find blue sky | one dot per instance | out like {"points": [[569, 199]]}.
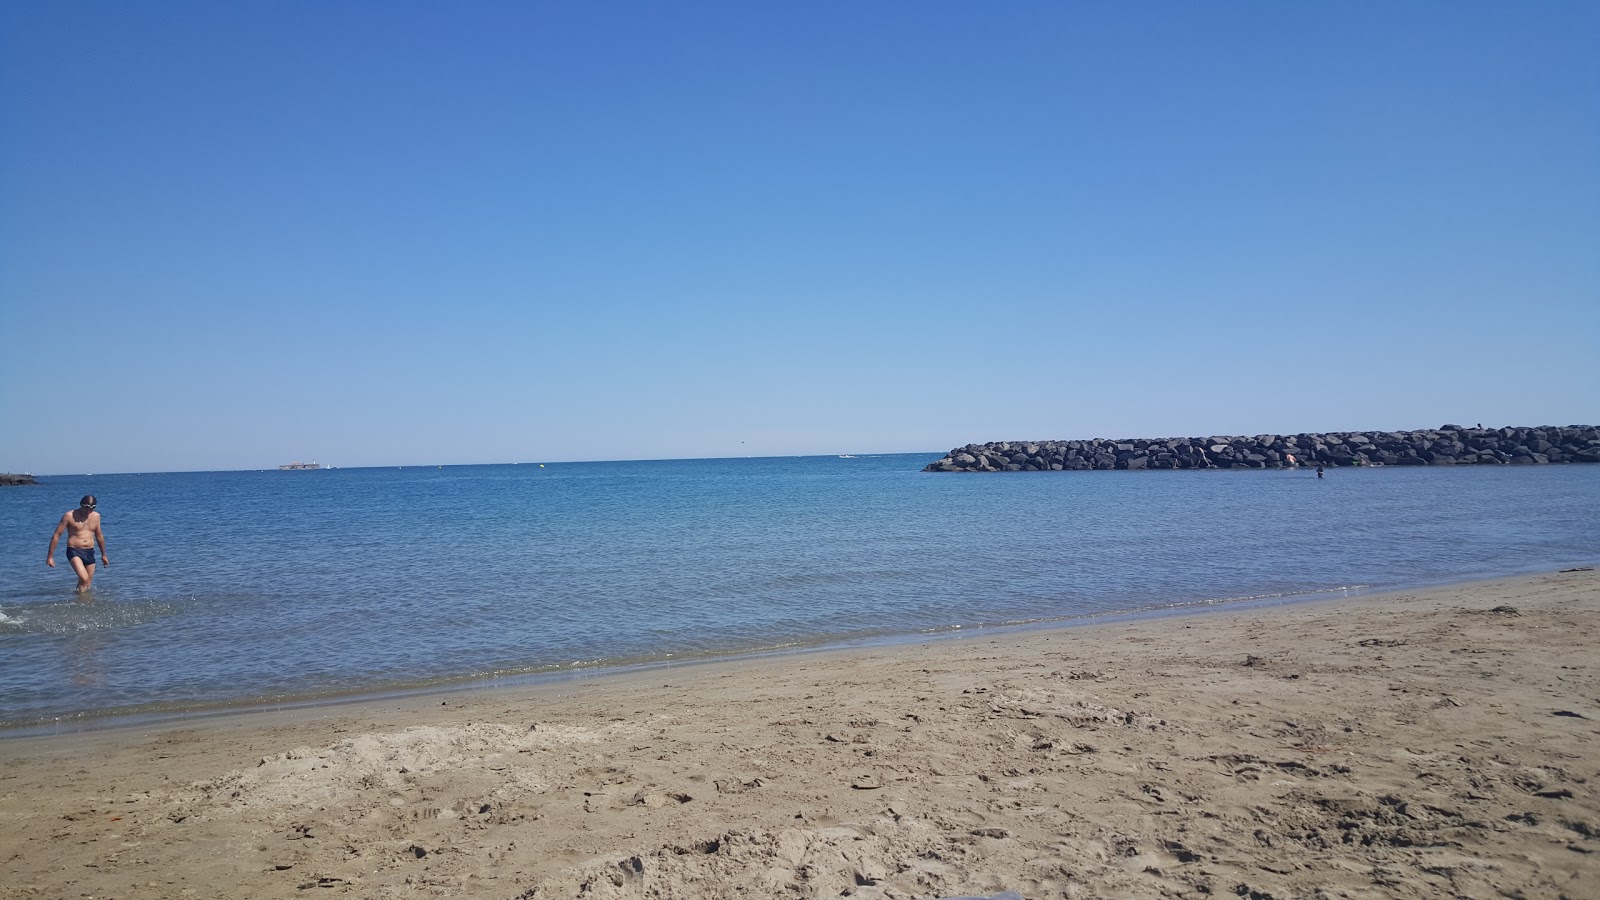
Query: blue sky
{"points": [[235, 235]]}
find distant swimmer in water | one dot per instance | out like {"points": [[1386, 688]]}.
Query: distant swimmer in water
{"points": [[83, 532], [1319, 471]]}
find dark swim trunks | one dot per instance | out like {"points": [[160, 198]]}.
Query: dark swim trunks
{"points": [[84, 553]]}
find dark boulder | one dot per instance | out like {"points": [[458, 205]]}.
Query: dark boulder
{"points": [[1448, 445]]}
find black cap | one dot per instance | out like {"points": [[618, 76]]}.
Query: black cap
{"points": [[88, 501]]}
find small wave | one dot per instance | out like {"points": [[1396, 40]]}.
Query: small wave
{"points": [[1306, 594], [78, 617]]}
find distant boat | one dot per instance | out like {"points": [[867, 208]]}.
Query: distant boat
{"points": [[846, 456], [299, 465]]}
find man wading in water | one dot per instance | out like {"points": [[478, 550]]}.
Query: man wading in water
{"points": [[83, 525]]}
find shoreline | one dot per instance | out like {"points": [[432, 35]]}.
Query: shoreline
{"points": [[1438, 741], [155, 715]]}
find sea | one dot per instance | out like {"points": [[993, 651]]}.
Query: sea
{"points": [[267, 589]]}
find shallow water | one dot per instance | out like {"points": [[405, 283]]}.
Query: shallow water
{"points": [[238, 587]]}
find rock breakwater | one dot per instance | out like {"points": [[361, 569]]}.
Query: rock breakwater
{"points": [[1449, 445], [7, 479]]}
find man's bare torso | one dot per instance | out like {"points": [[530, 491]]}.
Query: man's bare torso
{"points": [[80, 528]]}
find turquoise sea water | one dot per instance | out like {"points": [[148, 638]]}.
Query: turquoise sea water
{"points": [[245, 587]]}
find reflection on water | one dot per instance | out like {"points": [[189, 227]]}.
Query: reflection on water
{"points": [[85, 659]]}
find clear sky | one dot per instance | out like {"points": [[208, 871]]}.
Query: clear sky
{"points": [[235, 235]]}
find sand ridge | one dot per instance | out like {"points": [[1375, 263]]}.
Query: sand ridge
{"points": [[1436, 743]]}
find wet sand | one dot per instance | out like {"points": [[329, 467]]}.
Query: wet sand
{"points": [[1439, 742]]}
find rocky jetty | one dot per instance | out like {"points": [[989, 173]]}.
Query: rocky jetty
{"points": [[1449, 445], [7, 479]]}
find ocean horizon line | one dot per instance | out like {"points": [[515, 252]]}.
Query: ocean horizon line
{"points": [[461, 465]]}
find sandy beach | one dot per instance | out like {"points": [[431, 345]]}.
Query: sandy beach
{"points": [[1433, 743]]}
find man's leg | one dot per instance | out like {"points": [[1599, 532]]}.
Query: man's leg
{"points": [[85, 574]]}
